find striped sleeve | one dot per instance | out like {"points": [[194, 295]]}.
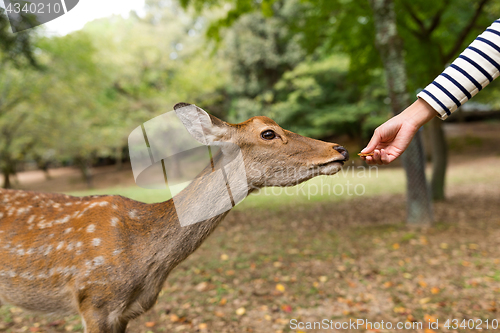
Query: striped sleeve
{"points": [[474, 69]]}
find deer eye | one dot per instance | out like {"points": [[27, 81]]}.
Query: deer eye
{"points": [[268, 135]]}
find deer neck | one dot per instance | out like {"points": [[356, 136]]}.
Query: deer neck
{"points": [[176, 242]]}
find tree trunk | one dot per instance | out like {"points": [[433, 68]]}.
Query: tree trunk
{"points": [[119, 158], [84, 164], [391, 52], [6, 178], [439, 159]]}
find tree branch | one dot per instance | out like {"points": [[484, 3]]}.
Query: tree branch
{"points": [[415, 18], [465, 32], [4, 108], [436, 20]]}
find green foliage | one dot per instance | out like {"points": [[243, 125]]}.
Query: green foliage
{"points": [[15, 48], [312, 65], [318, 99]]}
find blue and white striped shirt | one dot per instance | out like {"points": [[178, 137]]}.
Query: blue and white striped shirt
{"points": [[474, 69]]}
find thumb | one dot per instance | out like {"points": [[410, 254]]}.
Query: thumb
{"points": [[375, 140]]}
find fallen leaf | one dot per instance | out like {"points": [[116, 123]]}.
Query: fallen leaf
{"points": [[223, 301], [429, 318], [395, 246], [203, 286], [425, 300], [174, 318], [422, 284], [286, 308], [202, 326], [224, 257], [150, 324], [399, 309], [280, 287], [241, 311], [435, 290]]}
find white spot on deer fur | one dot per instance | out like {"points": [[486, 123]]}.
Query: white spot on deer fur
{"points": [[30, 251], [48, 250], [98, 261], [114, 221], [20, 252], [93, 204], [96, 241], [68, 203], [42, 224], [103, 203], [132, 214], [67, 231], [1, 215], [56, 205], [22, 210], [79, 244], [91, 228], [63, 220], [60, 246], [70, 246], [10, 212], [31, 219], [27, 276], [117, 252]]}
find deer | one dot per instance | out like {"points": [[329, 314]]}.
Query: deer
{"points": [[106, 257]]}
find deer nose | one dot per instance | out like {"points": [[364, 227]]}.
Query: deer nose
{"points": [[342, 151]]}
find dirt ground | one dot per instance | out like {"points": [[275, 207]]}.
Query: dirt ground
{"points": [[344, 261], [356, 260]]}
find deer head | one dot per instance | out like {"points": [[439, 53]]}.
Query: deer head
{"points": [[272, 155]]}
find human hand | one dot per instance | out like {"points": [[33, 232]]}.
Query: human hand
{"points": [[391, 138]]}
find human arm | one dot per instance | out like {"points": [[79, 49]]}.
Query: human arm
{"points": [[391, 139], [474, 69]]}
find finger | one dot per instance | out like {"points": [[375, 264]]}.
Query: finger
{"points": [[384, 157], [376, 155], [392, 153], [369, 160], [374, 141]]}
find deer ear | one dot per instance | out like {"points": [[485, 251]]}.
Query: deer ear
{"points": [[202, 126]]}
